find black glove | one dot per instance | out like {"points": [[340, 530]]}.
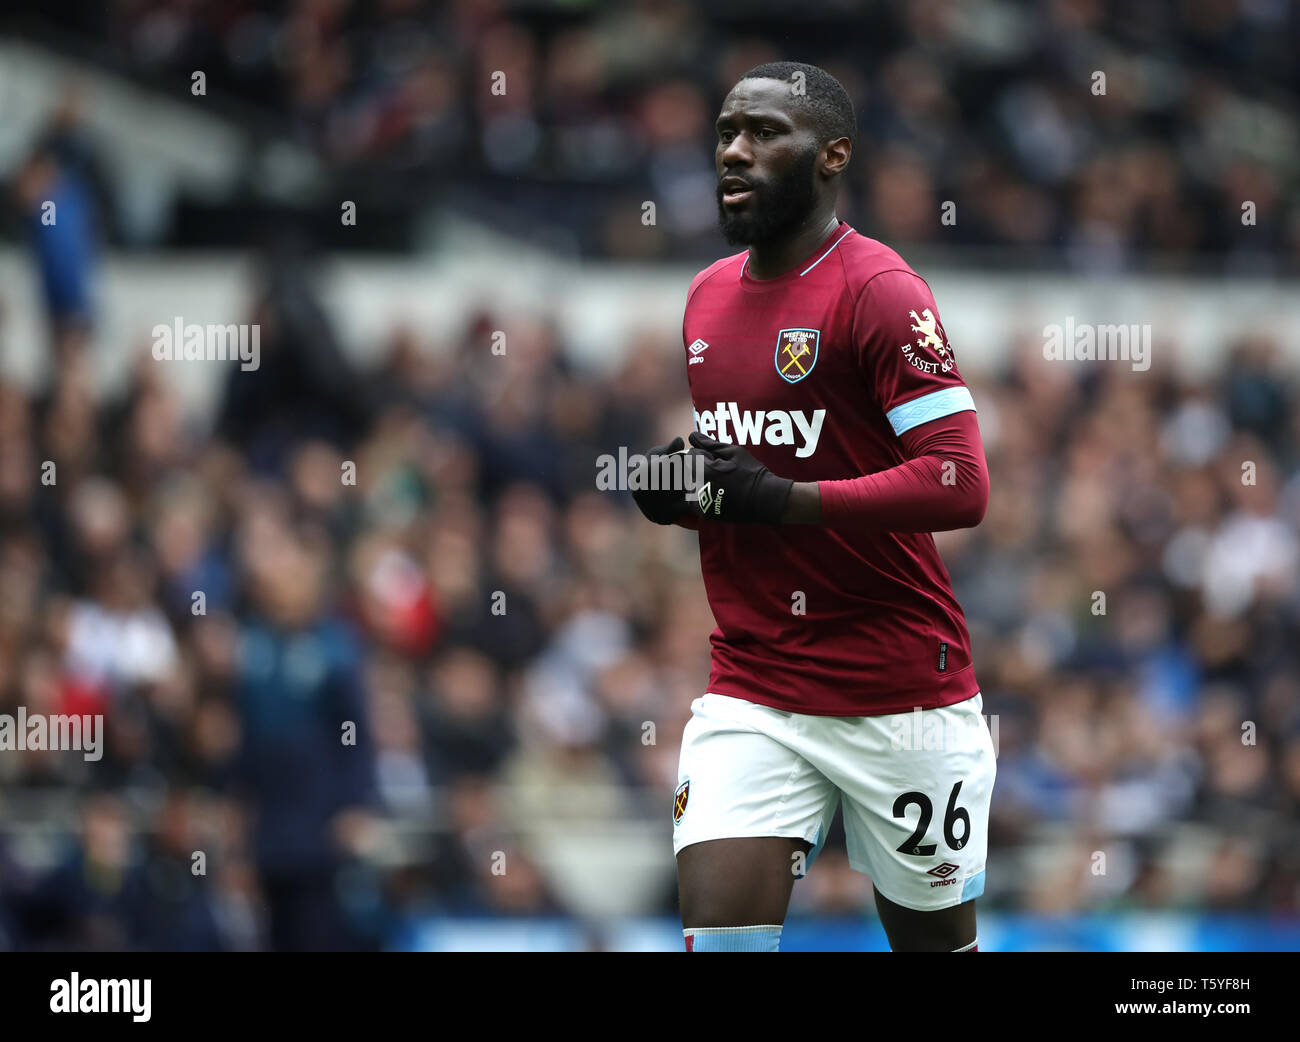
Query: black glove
{"points": [[663, 506], [736, 487]]}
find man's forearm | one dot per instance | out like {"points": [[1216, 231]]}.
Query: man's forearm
{"points": [[944, 485], [912, 497]]}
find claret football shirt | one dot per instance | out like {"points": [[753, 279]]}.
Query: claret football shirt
{"points": [[817, 372]]}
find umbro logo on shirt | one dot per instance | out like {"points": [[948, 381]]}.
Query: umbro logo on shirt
{"points": [[697, 351]]}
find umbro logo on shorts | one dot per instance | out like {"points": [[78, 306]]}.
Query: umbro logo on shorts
{"points": [[943, 872]]}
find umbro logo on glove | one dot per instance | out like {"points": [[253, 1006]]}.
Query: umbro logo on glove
{"points": [[752, 493], [710, 505]]}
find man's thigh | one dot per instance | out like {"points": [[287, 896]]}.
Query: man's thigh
{"points": [[950, 929], [737, 882]]}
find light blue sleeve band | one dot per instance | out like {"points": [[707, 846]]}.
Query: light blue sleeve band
{"points": [[929, 407]]}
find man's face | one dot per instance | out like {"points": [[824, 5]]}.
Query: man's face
{"points": [[766, 160]]}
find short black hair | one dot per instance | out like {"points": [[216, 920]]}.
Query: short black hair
{"points": [[823, 96]]}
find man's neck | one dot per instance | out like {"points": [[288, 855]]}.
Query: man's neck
{"points": [[771, 259]]}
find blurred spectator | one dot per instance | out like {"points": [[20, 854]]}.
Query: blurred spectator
{"points": [[306, 763], [57, 192]]}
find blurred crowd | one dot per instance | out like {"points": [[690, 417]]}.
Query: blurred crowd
{"points": [[367, 641], [363, 642], [562, 119]]}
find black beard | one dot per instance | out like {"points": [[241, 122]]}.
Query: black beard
{"points": [[775, 208]]}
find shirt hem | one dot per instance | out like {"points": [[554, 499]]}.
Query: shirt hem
{"points": [[966, 690]]}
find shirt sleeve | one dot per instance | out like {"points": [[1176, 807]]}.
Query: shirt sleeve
{"points": [[689, 520], [904, 354], [943, 484]]}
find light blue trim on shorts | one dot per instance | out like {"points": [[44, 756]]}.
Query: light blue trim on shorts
{"points": [[818, 842], [973, 887]]}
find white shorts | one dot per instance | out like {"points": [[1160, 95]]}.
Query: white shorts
{"points": [[916, 788]]}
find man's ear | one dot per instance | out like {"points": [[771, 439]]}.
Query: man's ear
{"points": [[836, 155]]}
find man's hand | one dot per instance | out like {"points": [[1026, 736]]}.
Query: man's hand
{"points": [[663, 506], [736, 487]]}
